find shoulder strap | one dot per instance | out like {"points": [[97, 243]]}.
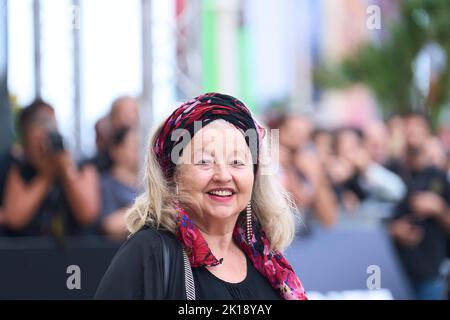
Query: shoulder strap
{"points": [[166, 264], [188, 278]]}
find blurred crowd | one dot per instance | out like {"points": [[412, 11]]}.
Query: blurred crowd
{"points": [[330, 173], [45, 192], [334, 174]]}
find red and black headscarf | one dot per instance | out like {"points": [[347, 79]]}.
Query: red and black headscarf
{"points": [[270, 263], [204, 109]]}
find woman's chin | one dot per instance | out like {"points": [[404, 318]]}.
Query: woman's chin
{"points": [[221, 214]]}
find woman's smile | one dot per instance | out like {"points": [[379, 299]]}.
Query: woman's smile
{"points": [[223, 195]]}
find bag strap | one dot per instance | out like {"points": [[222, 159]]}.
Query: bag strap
{"points": [[188, 278], [166, 265]]}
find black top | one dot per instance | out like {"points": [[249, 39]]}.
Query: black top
{"points": [[423, 261], [137, 272], [54, 216], [5, 162], [253, 287]]}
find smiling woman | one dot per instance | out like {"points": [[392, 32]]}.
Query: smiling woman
{"points": [[208, 206], [219, 181]]}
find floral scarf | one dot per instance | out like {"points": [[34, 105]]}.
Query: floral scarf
{"points": [[271, 264]]}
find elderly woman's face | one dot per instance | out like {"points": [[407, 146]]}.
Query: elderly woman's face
{"points": [[216, 172]]}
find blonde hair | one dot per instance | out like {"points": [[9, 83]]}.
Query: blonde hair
{"points": [[271, 204]]}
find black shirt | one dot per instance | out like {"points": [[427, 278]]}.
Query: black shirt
{"points": [[54, 216], [423, 261], [5, 162], [253, 287], [137, 272]]}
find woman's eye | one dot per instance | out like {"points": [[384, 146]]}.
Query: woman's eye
{"points": [[204, 161], [237, 163]]}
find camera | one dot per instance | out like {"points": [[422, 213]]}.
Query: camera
{"points": [[56, 141]]}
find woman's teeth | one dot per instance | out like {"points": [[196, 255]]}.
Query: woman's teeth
{"points": [[221, 193]]}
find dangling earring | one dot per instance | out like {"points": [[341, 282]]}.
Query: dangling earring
{"points": [[176, 189], [249, 222]]}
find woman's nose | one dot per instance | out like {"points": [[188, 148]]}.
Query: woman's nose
{"points": [[221, 173]]}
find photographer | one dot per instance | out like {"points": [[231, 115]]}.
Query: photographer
{"points": [[357, 176], [45, 193], [421, 221]]}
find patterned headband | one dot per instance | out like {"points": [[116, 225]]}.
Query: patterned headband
{"points": [[205, 109]]}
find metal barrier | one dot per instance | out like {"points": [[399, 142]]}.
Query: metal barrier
{"points": [[40, 268], [340, 263]]}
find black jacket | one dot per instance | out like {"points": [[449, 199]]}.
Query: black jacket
{"points": [[137, 269]]}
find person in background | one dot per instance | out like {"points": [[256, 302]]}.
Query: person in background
{"points": [[124, 113], [301, 172], [342, 168], [396, 137], [357, 176], [436, 154], [382, 183], [421, 223], [119, 185], [323, 142], [439, 158], [45, 192], [295, 132], [5, 163], [297, 185], [103, 131], [447, 167], [376, 141]]}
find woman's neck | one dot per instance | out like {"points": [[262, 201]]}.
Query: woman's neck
{"points": [[219, 236], [126, 176], [219, 243]]}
